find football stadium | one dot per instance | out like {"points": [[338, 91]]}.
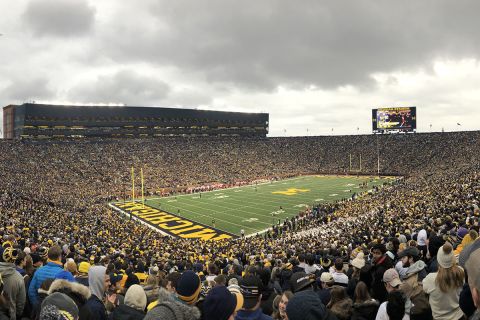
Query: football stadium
{"points": [[229, 160], [168, 206]]}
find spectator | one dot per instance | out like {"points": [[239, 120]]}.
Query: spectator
{"points": [[134, 306], [82, 276], [410, 258], [58, 306], [392, 283], [340, 304], [75, 291], [306, 305], [251, 288], [381, 263], [339, 276], [283, 299], [169, 307], [13, 285], [50, 270], [394, 307], [220, 304], [326, 284], [364, 307], [99, 281], [357, 263], [470, 259], [444, 286]]}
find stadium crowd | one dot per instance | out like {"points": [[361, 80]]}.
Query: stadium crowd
{"points": [[408, 251]]}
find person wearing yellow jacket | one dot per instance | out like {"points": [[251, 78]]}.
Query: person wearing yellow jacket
{"points": [[470, 237]]}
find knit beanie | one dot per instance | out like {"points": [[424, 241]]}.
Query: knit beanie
{"points": [[188, 287], [445, 256], [58, 306], [359, 261], [306, 305], [9, 255], [136, 297], [219, 304]]}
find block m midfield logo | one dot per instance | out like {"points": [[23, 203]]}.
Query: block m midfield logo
{"points": [[171, 224]]}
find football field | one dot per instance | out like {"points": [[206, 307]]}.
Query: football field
{"points": [[255, 208]]}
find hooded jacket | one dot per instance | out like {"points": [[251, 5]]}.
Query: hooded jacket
{"points": [[77, 292], [169, 308], [14, 287], [418, 268], [96, 279]]}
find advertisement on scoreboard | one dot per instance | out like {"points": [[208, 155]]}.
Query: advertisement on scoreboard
{"points": [[394, 119]]}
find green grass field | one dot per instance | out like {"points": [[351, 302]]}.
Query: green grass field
{"points": [[255, 208]]}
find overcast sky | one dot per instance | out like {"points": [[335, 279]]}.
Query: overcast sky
{"points": [[310, 64]]}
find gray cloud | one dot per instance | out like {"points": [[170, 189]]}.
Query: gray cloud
{"points": [[276, 42], [28, 89], [124, 86], [61, 18]]}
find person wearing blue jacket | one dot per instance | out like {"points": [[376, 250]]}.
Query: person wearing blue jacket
{"points": [[48, 271]]}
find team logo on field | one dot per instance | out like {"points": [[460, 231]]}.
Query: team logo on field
{"points": [[291, 191]]}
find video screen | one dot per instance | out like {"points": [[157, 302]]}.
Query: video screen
{"points": [[403, 119]]}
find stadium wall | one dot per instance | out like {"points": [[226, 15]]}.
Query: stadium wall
{"points": [[62, 121]]}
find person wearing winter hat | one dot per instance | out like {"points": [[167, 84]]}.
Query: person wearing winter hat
{"points": [[58, 306], [134, 306], [219, 304], [306, 305], [13, 284], [358, 263], [326, 284], [82, 276], [444, 286], [169, 307], [77, 292], [188, 287]]}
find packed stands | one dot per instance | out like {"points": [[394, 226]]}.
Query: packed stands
{"points": [[396, 249]]}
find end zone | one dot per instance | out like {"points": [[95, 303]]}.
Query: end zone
{"points": [[170, 224]]}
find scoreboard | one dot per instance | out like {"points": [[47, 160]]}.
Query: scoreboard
{"points": [[403, 119]]}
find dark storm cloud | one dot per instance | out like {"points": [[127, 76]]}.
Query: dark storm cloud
{"points": [[261, 45], [27, 89], [60, 18], [124, 86]]}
